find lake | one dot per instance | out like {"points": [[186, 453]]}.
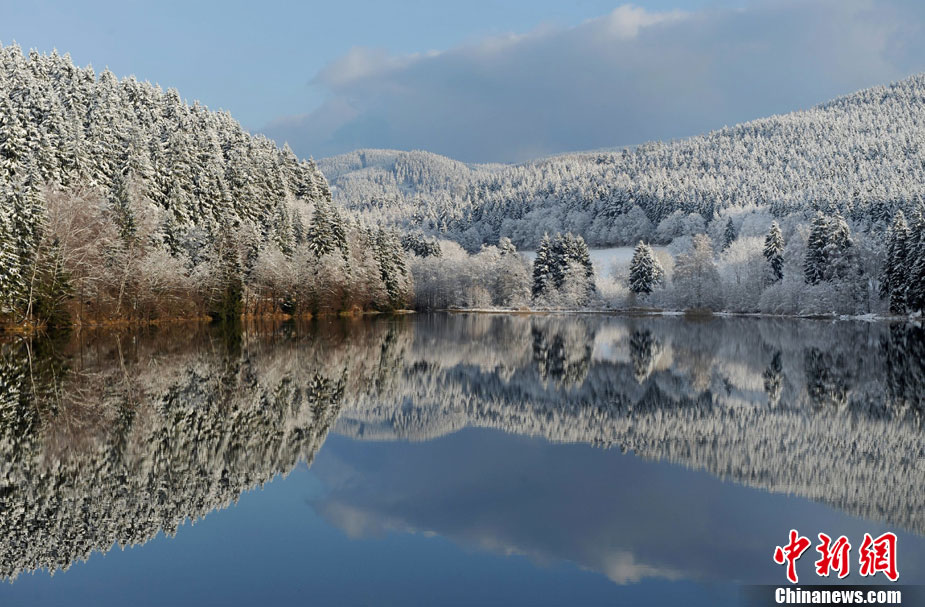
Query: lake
{"points": [[454, 459]]}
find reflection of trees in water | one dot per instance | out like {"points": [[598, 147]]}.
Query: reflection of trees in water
{"points": [[644, 349], [904, 353], [562, 351], [828, 378], [707, 409], [111, 439], [114, 439], [774, 379]]}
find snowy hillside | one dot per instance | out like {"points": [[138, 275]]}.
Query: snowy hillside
{"points": [[860, 154], [121, 200]]}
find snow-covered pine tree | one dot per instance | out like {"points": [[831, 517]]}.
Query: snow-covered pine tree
{"points": [[814, 266], [568, 248], [915, 265], [120, 203], [420, 245], [729, 234], [281, 231], [542, 271], [506, 247], [14, 144], [840, 262], [645, 270], [327, 232], [11, 282], [580, 254], [893, 281], [392, 268], [298, 227], [774, 251], [227, 298]]}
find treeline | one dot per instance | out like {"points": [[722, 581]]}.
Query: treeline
{"points": [[446, 276], [821, 268], [740, 265], [119, 201]]}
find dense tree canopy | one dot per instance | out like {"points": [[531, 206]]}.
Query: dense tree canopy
{"points": [[120, 201], [854, 155]]}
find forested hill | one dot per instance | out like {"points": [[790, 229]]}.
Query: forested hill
{"points": [[121, 201], [70, 126], [390, 184], [861, 154]]}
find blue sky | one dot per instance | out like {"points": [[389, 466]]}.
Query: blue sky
{"points": [[481, 80]]}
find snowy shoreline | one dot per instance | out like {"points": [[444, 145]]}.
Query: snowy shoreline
{"points": [[693, 314]]}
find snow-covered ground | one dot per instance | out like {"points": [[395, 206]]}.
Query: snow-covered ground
{"points": [[604, 260]]}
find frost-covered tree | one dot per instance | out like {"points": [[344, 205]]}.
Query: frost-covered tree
{"points": [[830, 250], [774, 252], [915, 265], [326, 233], [420, 245], [814, 268], [393, 269], [696, 279], [11, 282], [563, 258], [645, 270], [542, 268], [120, 201], [893, 280], [729, 234]]}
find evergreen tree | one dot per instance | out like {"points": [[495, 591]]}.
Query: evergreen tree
{"points": [[557, 260], [645, 270], [121, 207], [840, 262], [28, 223], [729, 234], [227, 300], [774, 251], [542, 269], [568, 249], [14, 142], [393, 270], [893, 282], [506, 247], [327, 232], [11, 280], [417, 243], [814, 266], [915, 266], [282, 232]]}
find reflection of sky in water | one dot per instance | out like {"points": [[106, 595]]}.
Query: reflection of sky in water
{"points": [[477, 517]]}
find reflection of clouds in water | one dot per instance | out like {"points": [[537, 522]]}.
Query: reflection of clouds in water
{"points": [[624, 517], [356, 523], [622, 568]]}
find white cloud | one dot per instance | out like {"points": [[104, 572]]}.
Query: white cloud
{"points": [[624, 78]]}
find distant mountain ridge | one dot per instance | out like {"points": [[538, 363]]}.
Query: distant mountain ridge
{"points": [[860, 154]]}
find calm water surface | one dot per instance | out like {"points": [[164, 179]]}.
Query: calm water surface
{"points": [[454, 459]]}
